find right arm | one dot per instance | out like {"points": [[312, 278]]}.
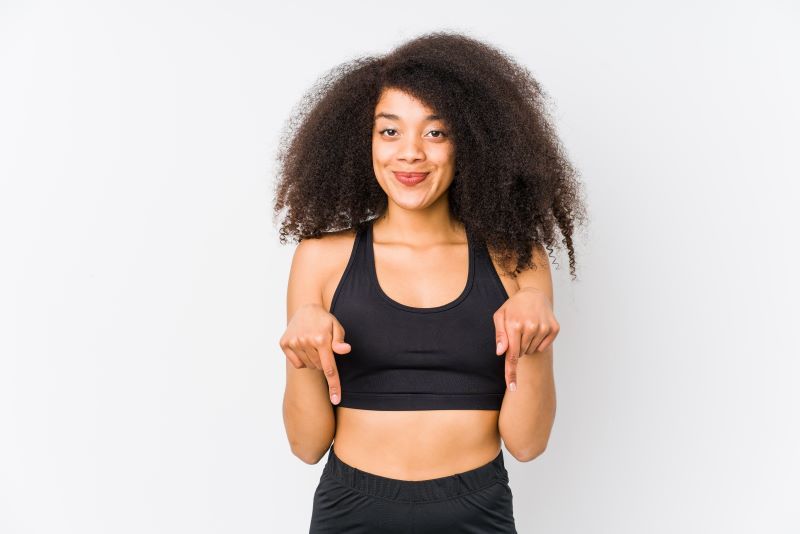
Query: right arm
{"points": [[308, 415]]}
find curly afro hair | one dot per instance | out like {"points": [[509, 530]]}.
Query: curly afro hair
{"points": [[514, 185]]}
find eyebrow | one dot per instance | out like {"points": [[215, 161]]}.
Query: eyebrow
{"points": [[392, 116]]}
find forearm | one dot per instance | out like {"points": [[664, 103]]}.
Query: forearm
{"points": [[308, 415], [527, 414]]}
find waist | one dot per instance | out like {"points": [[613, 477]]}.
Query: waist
{"points": [[439, 488], [416, 445]]}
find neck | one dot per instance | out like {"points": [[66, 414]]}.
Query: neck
{"points": [[429, 226]]}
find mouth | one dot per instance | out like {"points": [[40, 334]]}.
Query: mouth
{"points": [[410, 178]]}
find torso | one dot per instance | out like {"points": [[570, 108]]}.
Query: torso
{"points": [[412, 445]]}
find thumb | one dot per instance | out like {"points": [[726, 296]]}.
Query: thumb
{"points": [[500, 332], [338, 345]]}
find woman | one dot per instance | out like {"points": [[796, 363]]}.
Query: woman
{"points": [[423, 186]]}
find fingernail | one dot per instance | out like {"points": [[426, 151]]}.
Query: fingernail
{"points": [[513, 386], [335, 398], [498, 347]]}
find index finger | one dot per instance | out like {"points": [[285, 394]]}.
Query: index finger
{"points": [[329, 369], [514, 335]]}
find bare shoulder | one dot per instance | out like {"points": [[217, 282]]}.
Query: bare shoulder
{"points": [[540, 272], [324, 260]]}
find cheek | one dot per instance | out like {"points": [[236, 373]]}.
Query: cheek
{"points": [[444, 154], [381, 151]]}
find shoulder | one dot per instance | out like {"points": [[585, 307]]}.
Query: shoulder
{"points": [[324, 249], [318, 259], [537, 274], [508, 261]]}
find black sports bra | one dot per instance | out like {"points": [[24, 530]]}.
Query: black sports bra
{"points": [[407, 358]]}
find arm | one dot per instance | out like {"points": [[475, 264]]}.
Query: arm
{"points": [[308, 415], [527, 414], [540, 279]]}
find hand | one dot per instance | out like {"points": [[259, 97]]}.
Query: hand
{"points": [[311, 338], [524, 325]]}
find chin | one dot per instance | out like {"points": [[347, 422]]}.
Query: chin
{"points": [[411, 203]]}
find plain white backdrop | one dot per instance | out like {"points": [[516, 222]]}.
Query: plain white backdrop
{"points": [[142, 285]]}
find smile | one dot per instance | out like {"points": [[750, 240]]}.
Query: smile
{"points": [[410, 178]]}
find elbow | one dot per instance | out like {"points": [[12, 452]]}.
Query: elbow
{"points": [[308, 456], [526, 455]]}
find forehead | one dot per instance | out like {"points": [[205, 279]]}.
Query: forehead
{"points": [[395, 104]]}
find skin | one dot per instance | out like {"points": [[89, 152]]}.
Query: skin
{"points": [[416, 239]]}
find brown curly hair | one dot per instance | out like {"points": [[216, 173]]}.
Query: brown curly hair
{"points": [[513, 186]]}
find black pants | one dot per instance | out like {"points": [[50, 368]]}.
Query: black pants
{"points": [[351, 501]]}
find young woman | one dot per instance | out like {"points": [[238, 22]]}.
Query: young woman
{"points": [[423, 187]]}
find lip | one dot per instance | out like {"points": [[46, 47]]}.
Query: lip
{"points": [[410, 178]]}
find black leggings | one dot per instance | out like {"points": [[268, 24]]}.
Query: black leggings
{"points": [[351, 501]]}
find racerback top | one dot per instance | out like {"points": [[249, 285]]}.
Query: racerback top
{"points": [[408, 358]]}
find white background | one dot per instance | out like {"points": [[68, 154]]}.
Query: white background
{"points": [[142, 292]]}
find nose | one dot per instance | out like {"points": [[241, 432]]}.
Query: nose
{"points": [[411, 150]]}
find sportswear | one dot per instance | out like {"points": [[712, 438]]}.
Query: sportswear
{"points": [[478, 501], [409, 358]]}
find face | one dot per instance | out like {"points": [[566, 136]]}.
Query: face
{"points": [[407, 137]]}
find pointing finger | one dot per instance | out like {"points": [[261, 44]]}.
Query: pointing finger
{"points": [[514, 331], [500, 331], [331, 373]]}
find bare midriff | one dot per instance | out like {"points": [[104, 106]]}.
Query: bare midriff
{"points": [[416, 445]]}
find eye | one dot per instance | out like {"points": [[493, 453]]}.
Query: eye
{"points": [[440, 133]]}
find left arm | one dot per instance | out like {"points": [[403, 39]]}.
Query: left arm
{"points": [[526, 329]]}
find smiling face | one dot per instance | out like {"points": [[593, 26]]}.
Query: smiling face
{"points": [[407, 137]]}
